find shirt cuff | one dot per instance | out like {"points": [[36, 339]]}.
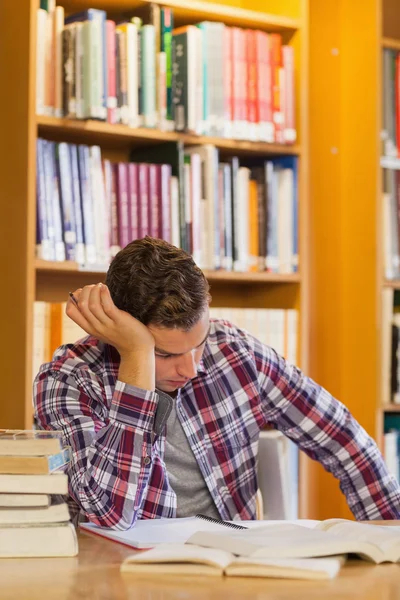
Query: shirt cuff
{"points": [[133, 406]]}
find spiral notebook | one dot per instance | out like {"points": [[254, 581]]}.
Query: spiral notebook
{"points": [[149, 533]]}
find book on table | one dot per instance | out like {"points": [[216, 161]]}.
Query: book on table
{"points": [[190, 560], [373, 543], [18, 442]]}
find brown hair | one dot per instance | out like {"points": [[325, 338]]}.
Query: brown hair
{"points": [[158, 283]]}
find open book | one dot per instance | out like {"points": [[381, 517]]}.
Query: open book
{"points": [[332, 537], [183, 559]]}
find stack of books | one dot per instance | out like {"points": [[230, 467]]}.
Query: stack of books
{"points": [[34, 519]]}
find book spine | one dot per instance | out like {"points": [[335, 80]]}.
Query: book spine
{"points": [[122, 203], [227, 77], [122, 76], [253, 226], [109, 182], [162, 91], [113, 209], [264, 87], [196, 208], [289, 131], [43, 244], [276, 66], [41, 61], [239, 84], [154, 201], [111, 72], [252, 92], [397, 102], [166, 46], [188, 204], [228, 242], [53, 202], [98, 201], [64, 166], [148, 76], [77, 205], [175, 216], [87, 206], [221, 214], [49, 68], [133, 200], [235, 209], [165, 206], [133, 74], [79, 70], [69, 75], [58, 23], [143, 199], [180, 81]]}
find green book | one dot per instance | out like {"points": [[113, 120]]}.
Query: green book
{"points": [[167, 25]]}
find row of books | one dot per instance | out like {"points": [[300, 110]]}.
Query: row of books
{"points": [[228, 215], [207, 79], [391, 103], [391, 223], [34, 519], [277, 328], [274, 327]]}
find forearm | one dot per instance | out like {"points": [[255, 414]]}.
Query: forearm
{"points": [[138, 369], [111, 459]]}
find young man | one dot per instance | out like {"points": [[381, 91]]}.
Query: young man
{"points": [[163, 408]]}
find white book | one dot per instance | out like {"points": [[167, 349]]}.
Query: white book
{"points": [[79, 71], [210, 230], [53, 539], [175, 221], [292, 326], [375, 543], [131, 37], [24, 500], [242, 221], [58, 61], [390, 442], [99, 215], [41, 24], [57, 512], [189, 560], [56, 483]]}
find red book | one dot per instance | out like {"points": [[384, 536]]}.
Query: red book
{"points": [[154, 192], [122, 203], [264, 87], [164, 213], [143, 199], [111, 72], [239, 83], [133, 201], [252, 117], [288, 96], [276, 65]]}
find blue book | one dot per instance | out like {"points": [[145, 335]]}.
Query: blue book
{"points": [[87, 204], [77, 205], [68, 217], [44, 246], [93, 14], [51, 166]]}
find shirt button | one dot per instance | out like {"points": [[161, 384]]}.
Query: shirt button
{"points": [[146, 460]]}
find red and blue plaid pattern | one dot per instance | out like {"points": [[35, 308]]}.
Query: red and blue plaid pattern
{"points": [[117, 474]]}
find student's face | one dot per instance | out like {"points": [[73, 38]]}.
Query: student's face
{"points": [[178, 353]]}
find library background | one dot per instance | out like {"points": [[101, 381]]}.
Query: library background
{"points": [[263, 137]]}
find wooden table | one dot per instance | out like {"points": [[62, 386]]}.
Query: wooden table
{"points": [[95, 574]]}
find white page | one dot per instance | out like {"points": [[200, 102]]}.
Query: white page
{"points": [[387, 538], [283, 541], [181, 553], [148, 533]]}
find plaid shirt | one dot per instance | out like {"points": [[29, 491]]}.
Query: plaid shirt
{"points": [[118, 475]]}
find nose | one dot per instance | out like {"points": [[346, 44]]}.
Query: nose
{"points": [[187, 367]]}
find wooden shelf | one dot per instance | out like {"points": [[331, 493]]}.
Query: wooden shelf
{"points": [[391, 408], [391, 43], [118, 135], [62, 268], [390, 162], [192, 11], [392, 284]]}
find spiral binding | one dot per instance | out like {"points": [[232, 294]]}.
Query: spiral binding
{"points": [[220, 522]]}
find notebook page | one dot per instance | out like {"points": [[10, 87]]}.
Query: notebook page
{"points": [[151, 532], [298, 568]]}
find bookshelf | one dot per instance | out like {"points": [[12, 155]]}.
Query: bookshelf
{"points": [[26, 279], [346, 45]]}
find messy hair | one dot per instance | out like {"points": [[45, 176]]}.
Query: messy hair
{"points": [[158, 284]]}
